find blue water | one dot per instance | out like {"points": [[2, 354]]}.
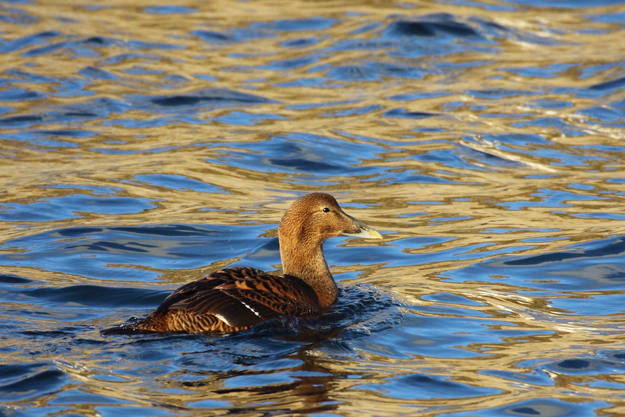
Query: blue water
{"points": [[143, 146]]}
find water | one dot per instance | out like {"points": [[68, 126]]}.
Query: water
{"points": [[143, 145]]}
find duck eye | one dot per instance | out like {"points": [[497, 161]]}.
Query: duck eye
{"points": [[326, 210]]}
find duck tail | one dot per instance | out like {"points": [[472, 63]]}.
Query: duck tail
{"points": [[125, 330]]}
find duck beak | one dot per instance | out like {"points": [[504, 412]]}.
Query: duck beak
{"points": [[365, 231]]}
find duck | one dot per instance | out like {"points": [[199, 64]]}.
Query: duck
{"points": [[235, 299]]}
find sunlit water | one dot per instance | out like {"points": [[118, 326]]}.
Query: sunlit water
{"points": [[143, 145]]}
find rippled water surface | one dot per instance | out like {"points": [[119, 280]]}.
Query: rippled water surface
{"points": [[144, 144]]}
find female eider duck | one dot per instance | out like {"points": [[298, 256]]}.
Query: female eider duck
{"points": [[238, 298]]}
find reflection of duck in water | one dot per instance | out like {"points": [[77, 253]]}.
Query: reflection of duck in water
{"points": [[238, 298]]}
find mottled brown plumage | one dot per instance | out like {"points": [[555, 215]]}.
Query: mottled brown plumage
{"points": [[235, 299]]}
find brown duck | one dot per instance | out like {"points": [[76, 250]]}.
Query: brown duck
{"points": [[235, 299]]}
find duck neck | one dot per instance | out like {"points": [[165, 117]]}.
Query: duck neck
{"points": [[307, 263]]}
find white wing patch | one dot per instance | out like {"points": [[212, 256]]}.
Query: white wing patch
{"points": [[251, 309], [222, 318]]}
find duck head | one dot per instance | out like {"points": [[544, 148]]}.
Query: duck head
{"points": [[309, 222]]}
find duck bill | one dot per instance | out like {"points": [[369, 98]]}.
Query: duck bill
{"points": [[365, 231]]}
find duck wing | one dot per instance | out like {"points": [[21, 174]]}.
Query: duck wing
{"points": [[240, 298]]}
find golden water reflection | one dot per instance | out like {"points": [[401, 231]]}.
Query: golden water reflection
{"points": [[484, 146]]}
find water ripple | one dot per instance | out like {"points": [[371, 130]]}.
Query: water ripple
{"points": [[144, 147]]}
